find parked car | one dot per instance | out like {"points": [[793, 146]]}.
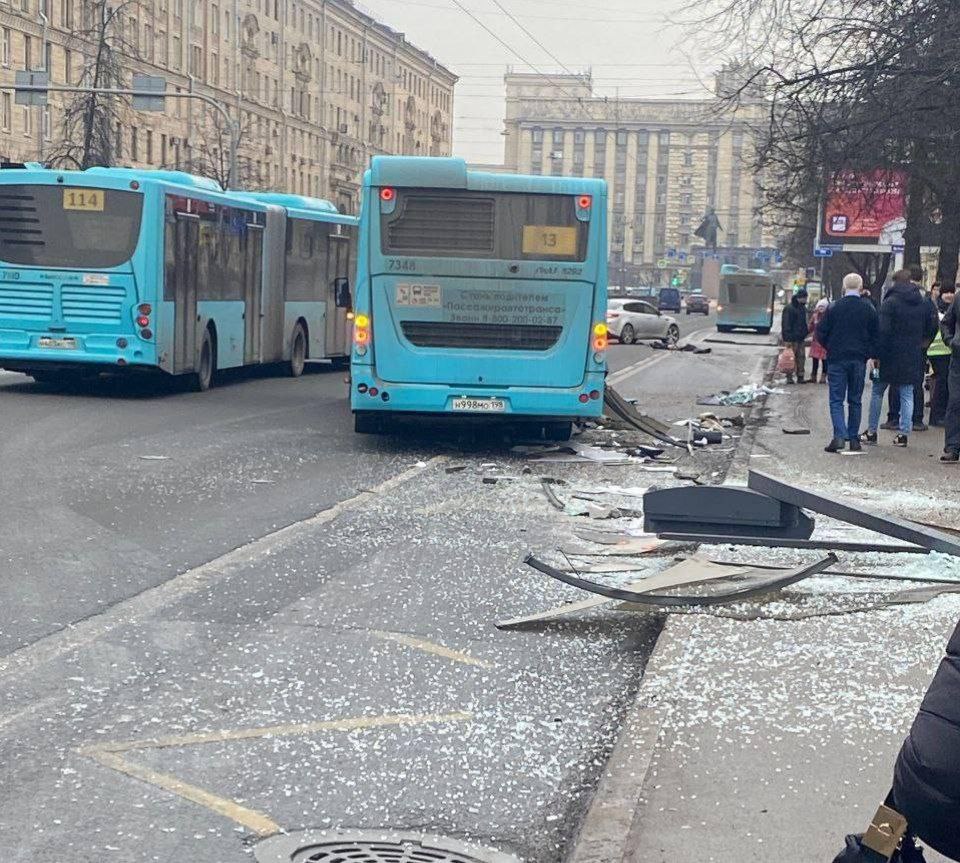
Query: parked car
{"points": [[669, 300], [632, 321], [698, 303]]}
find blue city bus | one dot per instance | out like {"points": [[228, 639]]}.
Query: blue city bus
{"points": [[479, 296], [745, 300], [122, 270]]}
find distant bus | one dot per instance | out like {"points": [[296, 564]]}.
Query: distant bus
{"points": [[120, 270], [479, 296], [745, 300]]}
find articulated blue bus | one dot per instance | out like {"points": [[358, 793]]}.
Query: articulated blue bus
{"points": [[479, 296], [114, 269], [745, 300]]}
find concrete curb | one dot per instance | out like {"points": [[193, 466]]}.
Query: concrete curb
{"points": [[612, 818]]}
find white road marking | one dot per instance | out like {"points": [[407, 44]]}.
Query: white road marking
{"points": [[155, 598]]}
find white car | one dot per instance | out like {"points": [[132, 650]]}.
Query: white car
{"points": [[632, 321]]}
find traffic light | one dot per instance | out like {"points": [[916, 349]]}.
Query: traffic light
{"points": [[676, 281]]}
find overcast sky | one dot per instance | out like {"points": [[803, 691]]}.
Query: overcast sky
{"points": [[630, 45]]}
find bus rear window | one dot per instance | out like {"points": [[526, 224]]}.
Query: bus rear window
{"points": [[497, 225], [68, 226]]}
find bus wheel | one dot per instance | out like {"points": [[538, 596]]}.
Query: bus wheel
{"points": [[364, 423], [627, 335], [203, 379], [557, 431], [673, 334], [298, 352]]}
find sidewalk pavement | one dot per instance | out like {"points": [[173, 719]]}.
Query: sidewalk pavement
{"points": [[776, 738]]}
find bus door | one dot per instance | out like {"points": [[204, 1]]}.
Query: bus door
{"points": [[272, 288], [187, 239], [339, 299], [252, 287]]}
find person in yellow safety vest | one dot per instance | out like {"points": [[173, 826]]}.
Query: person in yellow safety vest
{"points": [[939, 356]]}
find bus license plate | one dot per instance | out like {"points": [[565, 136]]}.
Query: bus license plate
{"points": [[68, 344], [480, 406]]}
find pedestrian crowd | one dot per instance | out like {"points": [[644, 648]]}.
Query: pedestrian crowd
{"points": [[912, 334]]}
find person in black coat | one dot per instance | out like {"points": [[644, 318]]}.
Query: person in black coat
{"points": [[950, 330], [926, 777], [905, 327], [794, 329]]}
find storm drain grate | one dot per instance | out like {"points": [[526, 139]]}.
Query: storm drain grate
{"points": [[379, 852], [367, 846]]}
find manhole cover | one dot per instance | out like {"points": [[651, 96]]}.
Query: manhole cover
{"points": [[365, 846]]}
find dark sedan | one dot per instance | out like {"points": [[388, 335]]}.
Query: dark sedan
{"points": [[698, 303]]}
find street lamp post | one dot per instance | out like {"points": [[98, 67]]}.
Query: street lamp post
{"points": [[32, 88]]}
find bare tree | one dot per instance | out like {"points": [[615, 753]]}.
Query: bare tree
{"points": [[90, 120], [211, 146], [853, 85]]}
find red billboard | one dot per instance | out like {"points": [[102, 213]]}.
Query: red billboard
{"points": [[864, 210]]}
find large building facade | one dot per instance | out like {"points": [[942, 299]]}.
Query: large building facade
{"points": [[667, 163], [318, 87]]}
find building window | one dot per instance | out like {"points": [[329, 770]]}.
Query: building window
{"points": [[558, 138], [536, 132], [148, 146], [66, 13], [27, 121], [27, 52], [118, 141], [688, 159], [134, 145], [176, 52], [5, 46], [6, 111], [621, 138]]}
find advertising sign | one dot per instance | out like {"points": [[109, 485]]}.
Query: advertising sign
{"points": [[864, 211]]}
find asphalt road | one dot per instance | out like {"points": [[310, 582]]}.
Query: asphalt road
{"points": [[225, 614]]}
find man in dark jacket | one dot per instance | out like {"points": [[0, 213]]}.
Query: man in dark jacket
{"points": [[950, 330], [849, 333], [794, 329], [905, 327]]}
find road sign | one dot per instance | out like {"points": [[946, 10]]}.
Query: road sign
{"points": [[662, 264], [25, 78], [152, 84], [821, 252], [671, 253]]}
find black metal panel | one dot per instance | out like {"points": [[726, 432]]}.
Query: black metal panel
{"points": [[443, 334], [889, 525], [787, 542]]}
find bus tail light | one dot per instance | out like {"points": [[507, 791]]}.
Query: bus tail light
{"points": [[584, 398], [361, 333], [143, 321], [600, 337], [388, 194], [594, 395], [585, 202]]}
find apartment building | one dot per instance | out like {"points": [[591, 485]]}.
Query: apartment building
{"points": [[667, 163], [319, 87]]}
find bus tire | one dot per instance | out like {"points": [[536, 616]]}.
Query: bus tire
{"points": [[206, 365], [721, 328], [298, 352], [558, 432], [627, 336], [365, 423]]}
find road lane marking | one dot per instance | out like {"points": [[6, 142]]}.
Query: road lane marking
{"points": [[646, 362], [257, 822], [431, 647], [294, 729], [155, 598], [108, 755]]}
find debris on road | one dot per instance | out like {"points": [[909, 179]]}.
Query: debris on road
{"points": [[154, 457], [783, 542], [680, 349], [627, 413], [722, 510], [745, 395], [574, 453], [795, 430], [756, 584]]}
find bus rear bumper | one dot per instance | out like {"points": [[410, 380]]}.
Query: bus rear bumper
{"points": [[21, 352], [561, 403]]}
